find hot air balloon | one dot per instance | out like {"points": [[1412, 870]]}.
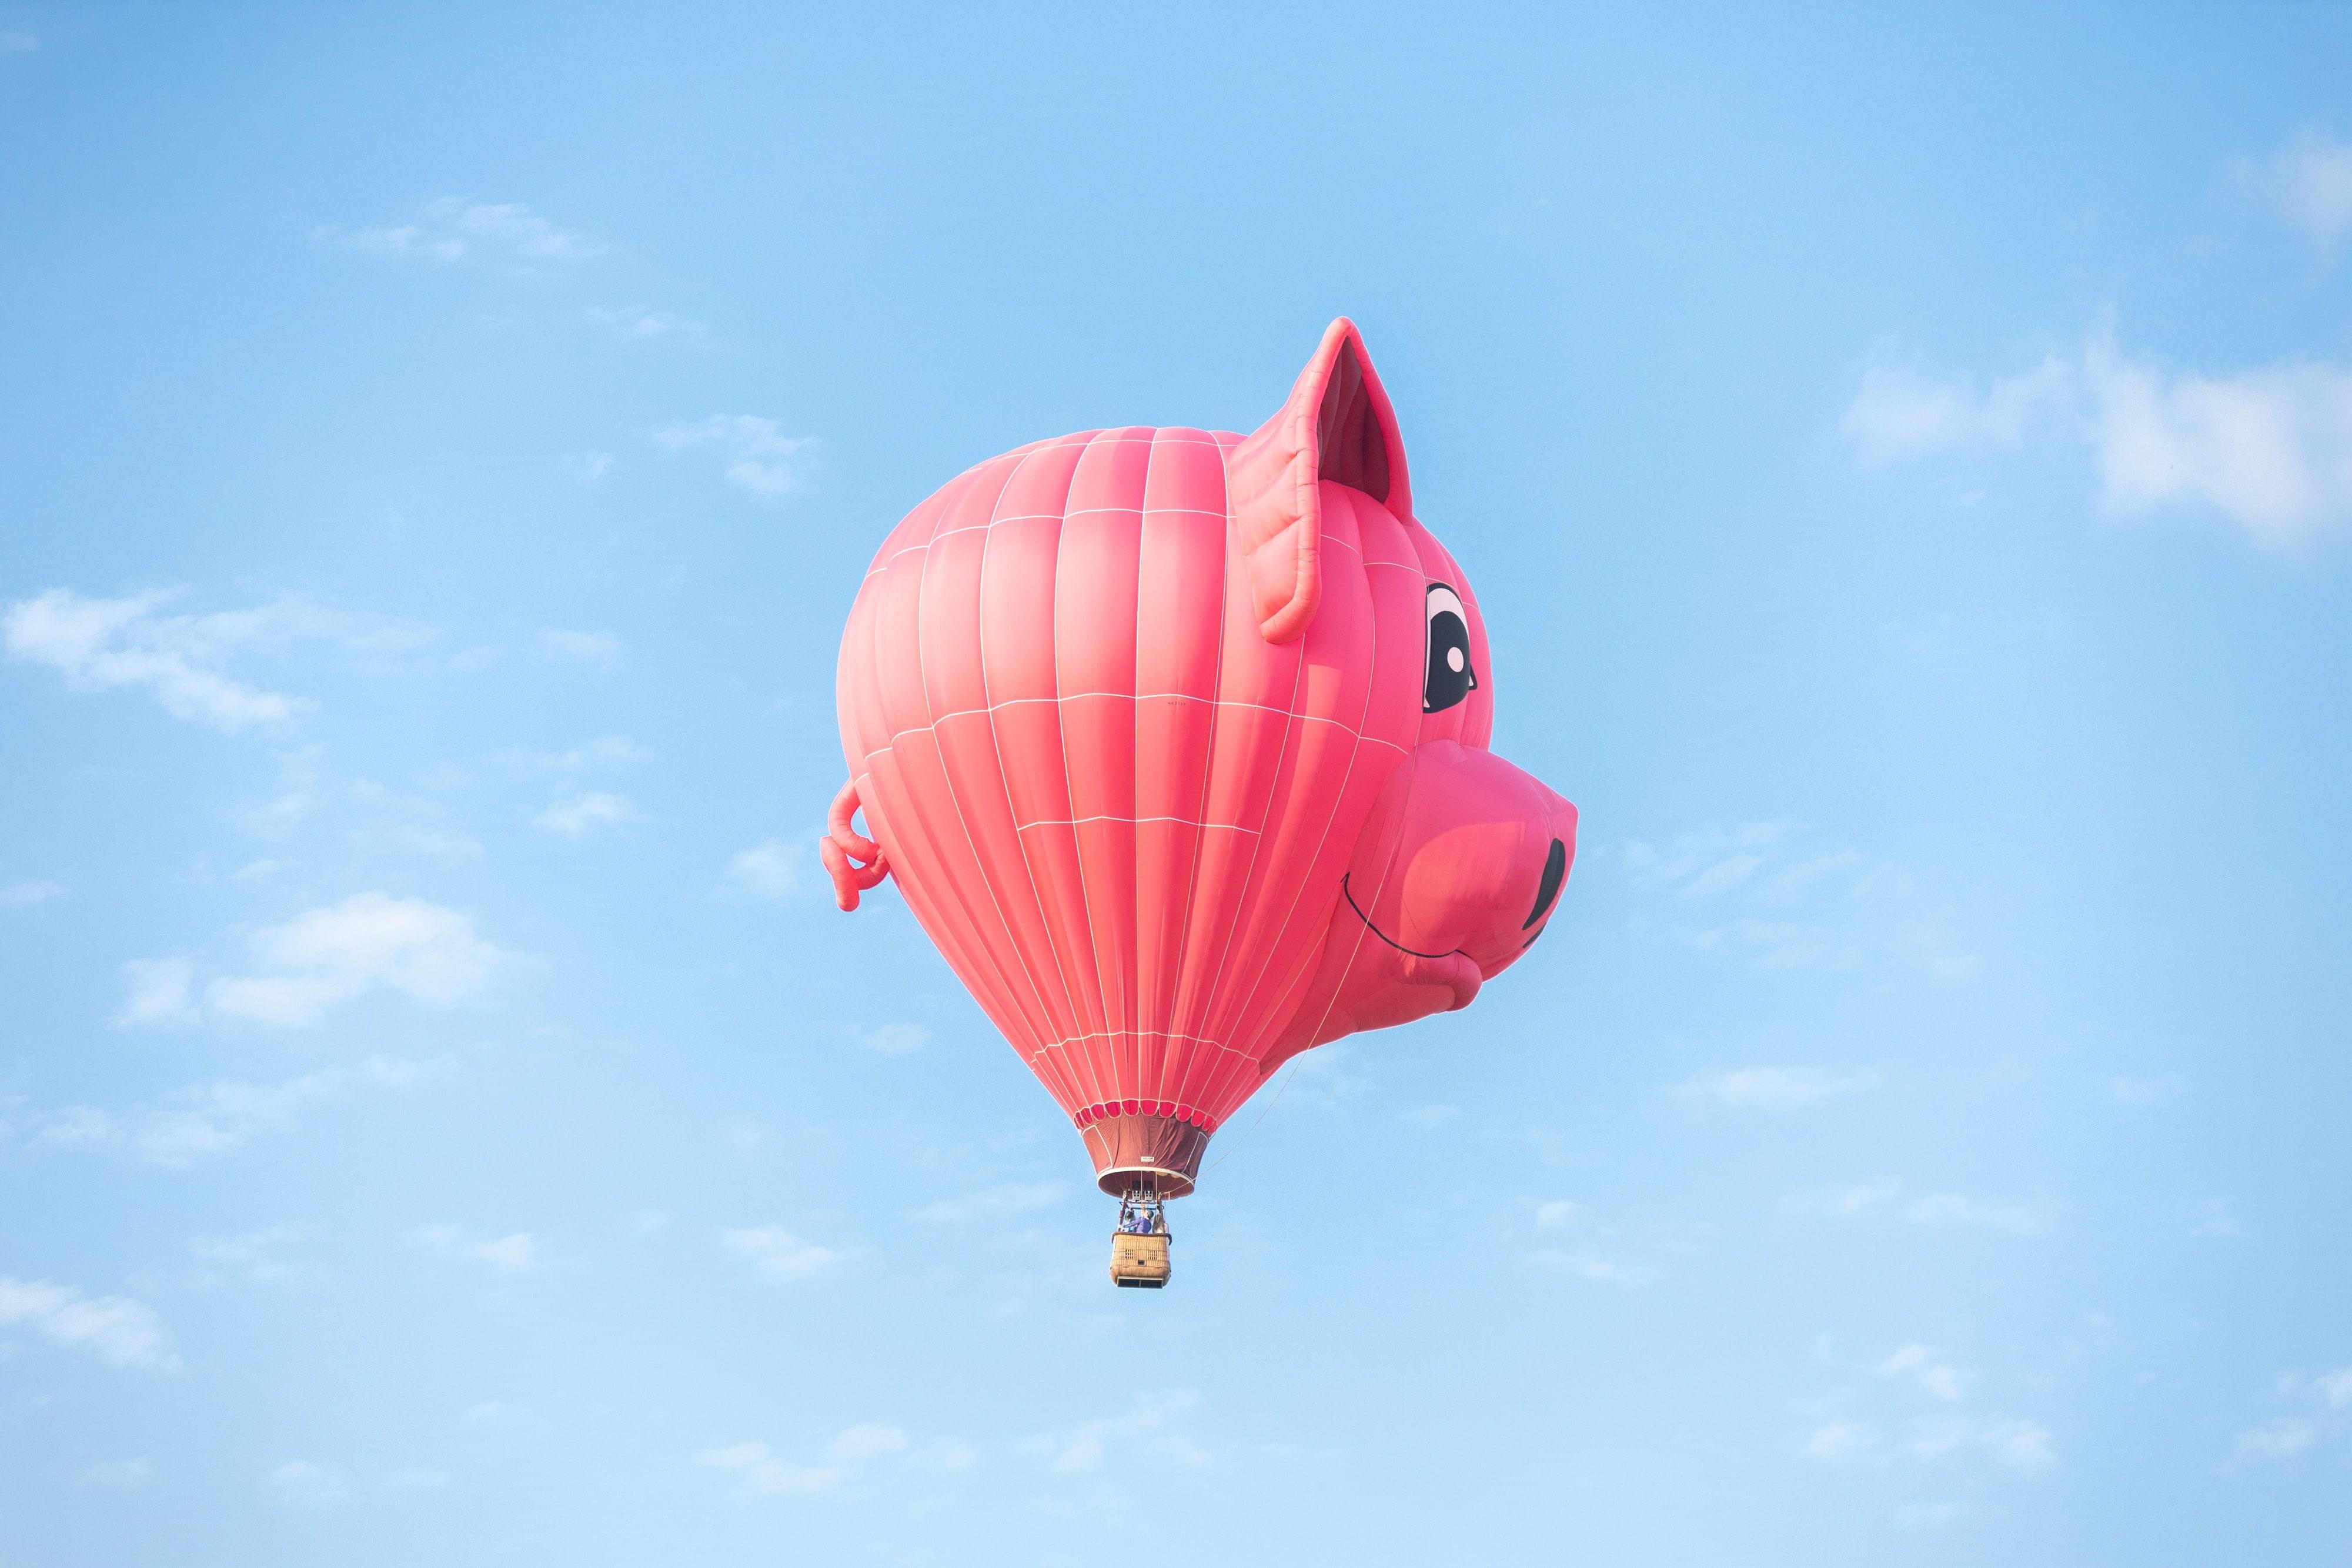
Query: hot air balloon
{"points": [[1175, 743]]}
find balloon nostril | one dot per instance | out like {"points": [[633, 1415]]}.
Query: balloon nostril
{"points": [[1555, 871]]}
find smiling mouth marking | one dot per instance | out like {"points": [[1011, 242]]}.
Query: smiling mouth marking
{"points": [[1346, 892]]}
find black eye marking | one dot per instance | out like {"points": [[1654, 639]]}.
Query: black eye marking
{"points": [[1555, 871], [1446, 676]]}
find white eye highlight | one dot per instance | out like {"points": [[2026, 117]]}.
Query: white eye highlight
{"points": [[1446, 676]]}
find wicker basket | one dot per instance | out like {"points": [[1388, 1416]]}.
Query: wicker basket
{"points": [[1139, 1262]]}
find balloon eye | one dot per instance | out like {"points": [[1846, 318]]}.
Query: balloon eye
{"points": [[1555, 871], [1446, 676]]}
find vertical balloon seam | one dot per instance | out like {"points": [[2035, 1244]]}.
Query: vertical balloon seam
{"points": [[1229, 1073], [1213, 1086], [1074, 1066], [1168, 1054], [1088, 964], [1135, 1021], [984, 950], [1056, 1074], [1355, 750], [1092, 967]]}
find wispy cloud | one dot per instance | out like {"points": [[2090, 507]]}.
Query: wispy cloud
{"points": [[896, 1039], [1928, 1370], [16, 43], [221, 1116], [116, 1328], [100, 644], [29, 894], [2270, 448], [1940, 1209], [642, 323], [159, 992], [520, 1253], [593, 647], [2320, 1411], [1590, 1266], [1772, 1088], [761, 1471], [1149, 1431], [1766, 892], [759, 456], [991, 1202], [339, 952], [2308, 183], [458, 229], [299, 1483], [259, 1255], [1888, 1434], [779, 1255], [767, 868], [574, 817], [118, 1475]]}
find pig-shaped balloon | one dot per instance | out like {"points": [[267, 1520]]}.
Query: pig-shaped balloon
{"points": [[1175, 741]]}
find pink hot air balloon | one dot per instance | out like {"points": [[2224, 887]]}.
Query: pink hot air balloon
{"points": [[1176, 743]]}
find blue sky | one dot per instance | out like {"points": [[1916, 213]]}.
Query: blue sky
{"points": [[1907, 466]]}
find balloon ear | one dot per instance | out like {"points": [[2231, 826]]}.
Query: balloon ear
{"points": [[1338, 425]]}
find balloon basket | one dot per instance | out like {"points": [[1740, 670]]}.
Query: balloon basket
{"points": [[1138, 1247]]}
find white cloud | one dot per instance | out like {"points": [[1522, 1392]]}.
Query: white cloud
{"points": [[1951, 1208], [499, 1416], [1148, 1431], [2334, 1388], [2308, 183], [1585, 1263], [337, 952], [780, 1255], [1945, 1209], [221, 1116], [865, 1441], [15, 42], [159, 992], [118, 1475], [454, 228], [2270, 448], [1557, 1215], [603, 749], [1772, 1088], [2325, 1413], [896, 1039], [991, 1202], [643, 323], [1760, 890], [574, 817], [258, 1255], [98, 643], [2153, 1090], [28, 894], [517, 1254], [759, 456], [596, 647], [1926, 1369], [1843, 1442], [119, 1330], [302, 1484], [1901, 411], [767, 869], [2281, 1439], [588, 467], [2007, 1441], [762, 1471]]}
